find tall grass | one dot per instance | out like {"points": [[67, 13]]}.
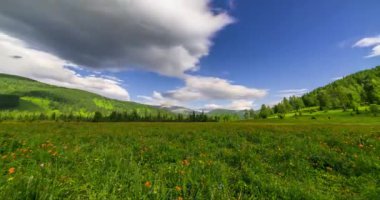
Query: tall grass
{"points": [[189, 161]]}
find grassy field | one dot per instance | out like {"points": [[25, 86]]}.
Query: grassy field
{"points": [[241, 160]]}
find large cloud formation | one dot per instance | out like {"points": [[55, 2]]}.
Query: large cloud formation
{"points": [[18, 59], [167, 36]]}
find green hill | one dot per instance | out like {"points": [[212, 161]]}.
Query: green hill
{"points": [[361, 88], [358, 90], [18, 94]]}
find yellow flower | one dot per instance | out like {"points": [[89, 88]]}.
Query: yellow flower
{"points": [[178, 188]]}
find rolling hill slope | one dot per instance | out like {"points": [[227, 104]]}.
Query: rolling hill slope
{"points": [[361, 88], [355, 91], [34, 96]]}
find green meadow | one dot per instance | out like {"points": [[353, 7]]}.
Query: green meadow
{"points": [[268, 159]]}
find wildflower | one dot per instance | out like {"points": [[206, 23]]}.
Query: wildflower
{"points": [[11, 170], [178, 188], [185, 163], [148, 184], [209, 162], [179, 198], [361, 145]]}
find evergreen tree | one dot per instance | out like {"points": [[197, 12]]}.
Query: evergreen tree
{"points": [[97, 117]]}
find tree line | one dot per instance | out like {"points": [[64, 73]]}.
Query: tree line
{"points": [[132, 116]]}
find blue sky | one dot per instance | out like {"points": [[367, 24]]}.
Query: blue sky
{"points": [[271, 46]]}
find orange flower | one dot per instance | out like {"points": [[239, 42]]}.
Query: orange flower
{"points": [[11, 170], [185, 162], [148, 184], [361, 146], [178, 188]]}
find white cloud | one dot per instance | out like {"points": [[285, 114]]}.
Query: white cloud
{"points": [[212, 88], [291, 92], [167, 36], [199, 88], [234, 105], [375, 51], [18, 59], [158, 100], [241, 105], [212, 106], [373, 42], [337, 78], [368, 42]]}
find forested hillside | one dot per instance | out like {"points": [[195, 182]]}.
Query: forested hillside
{"points": [[350, 92], [362, 88], [26, 95]]}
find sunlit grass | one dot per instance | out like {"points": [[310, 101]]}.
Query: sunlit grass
{"points": [[189, 161]]}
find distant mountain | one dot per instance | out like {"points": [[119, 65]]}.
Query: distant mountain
{"points": [[176, 109], [22, 94], [215, 112]]}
